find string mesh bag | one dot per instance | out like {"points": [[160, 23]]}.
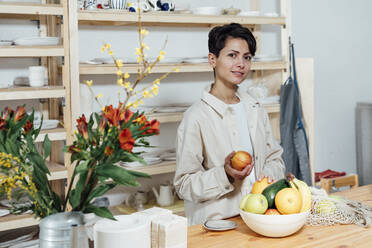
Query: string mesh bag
{"points": [[327, 211]]}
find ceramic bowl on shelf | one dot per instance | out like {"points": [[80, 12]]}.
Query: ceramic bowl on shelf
{"points": [[274, 225]]}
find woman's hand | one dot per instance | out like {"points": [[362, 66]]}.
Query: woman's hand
{"points": [[269, 178], [236, 174]]}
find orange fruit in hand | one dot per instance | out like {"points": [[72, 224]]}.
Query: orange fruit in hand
{"points": [[240, 160], [259, 186], [288, 201]]}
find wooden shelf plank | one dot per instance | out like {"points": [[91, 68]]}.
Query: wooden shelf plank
{"points": [[57, 171], [155, 169], [166, 117], [19, 93], [31, 51], [11, 221], [124, 17], [177, 117], [30, 8], [53, 134], [163, 68]]}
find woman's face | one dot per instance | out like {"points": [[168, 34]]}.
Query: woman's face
{"points": [[233, 63]]}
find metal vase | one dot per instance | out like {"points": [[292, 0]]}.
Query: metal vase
{"points": [[63, 230]]}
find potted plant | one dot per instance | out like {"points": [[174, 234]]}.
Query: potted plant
{"points": [[101, 140]]}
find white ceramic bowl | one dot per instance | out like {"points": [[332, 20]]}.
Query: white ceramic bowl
{"points": [[274, 225]]}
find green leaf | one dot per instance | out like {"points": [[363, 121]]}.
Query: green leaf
{"points": [[47, 146], [99, 211], [75, 197], [118, 174], [100, 190], [82, 167]]}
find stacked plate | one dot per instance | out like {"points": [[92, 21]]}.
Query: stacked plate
{"points": [[47, 124], [207, 11], [37, 41], [262, 58], [6, 42]]}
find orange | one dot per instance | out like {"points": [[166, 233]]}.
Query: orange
{"points": [[240, 160], [258, 186], [288, 201], [272, 211]]}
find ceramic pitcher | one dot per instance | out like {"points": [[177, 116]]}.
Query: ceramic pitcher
{"points": [[166, 195]]}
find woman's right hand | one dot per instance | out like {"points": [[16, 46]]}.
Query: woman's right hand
{"points": [[236, 174]]}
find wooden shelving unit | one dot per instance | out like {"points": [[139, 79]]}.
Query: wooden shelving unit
{"points": [[113, 17], [32, 51], [21, 93], [30, 8], [87, 69], [177, 116], [50, 18]]}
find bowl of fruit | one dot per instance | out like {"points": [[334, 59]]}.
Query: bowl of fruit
{"points": [[278, 209]]}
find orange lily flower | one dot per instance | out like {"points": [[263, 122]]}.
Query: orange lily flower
{"points": [[27, 127], [154, 127], [19, 114], [108, 151], [126, 140], [82, 126]]}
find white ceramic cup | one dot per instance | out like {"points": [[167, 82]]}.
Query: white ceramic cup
{"points": [[36, 75], [118, 4]]}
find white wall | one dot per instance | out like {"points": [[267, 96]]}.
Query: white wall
{"points": [[338, 35]]}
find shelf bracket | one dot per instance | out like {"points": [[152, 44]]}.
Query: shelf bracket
{"points": [[63, 102]]}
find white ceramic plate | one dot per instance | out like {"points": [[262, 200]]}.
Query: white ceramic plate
{"points": [[219, 225], [207, 11], [47, 124], [170, 109], [249, 13], [6, 42], [195, 60], [37, 41], [267, 58]]}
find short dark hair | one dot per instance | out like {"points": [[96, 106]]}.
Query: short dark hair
{"points": [[218, 35]]}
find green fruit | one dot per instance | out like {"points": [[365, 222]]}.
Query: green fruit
{"points": [[243, 201], [256, 204], [271, 190]]}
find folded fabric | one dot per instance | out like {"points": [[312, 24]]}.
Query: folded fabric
{"points": [[328, 174]]}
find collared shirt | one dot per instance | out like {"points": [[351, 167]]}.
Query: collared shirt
{"points": [[206, 135]]}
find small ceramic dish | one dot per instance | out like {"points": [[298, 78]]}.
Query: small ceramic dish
{"points": [[219, 225]]}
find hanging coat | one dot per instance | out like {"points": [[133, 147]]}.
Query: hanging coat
{"points": [[292, 132]]}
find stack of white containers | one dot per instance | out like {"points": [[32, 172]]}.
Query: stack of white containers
{"points": [[164, 229], [36, 76]]}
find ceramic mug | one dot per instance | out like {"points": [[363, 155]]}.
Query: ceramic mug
{"points": [[133, 6], [118, 4], [167, 5]]}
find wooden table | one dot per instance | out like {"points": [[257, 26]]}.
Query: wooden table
{"points": [[340, 236]]}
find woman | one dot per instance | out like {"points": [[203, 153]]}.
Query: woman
{"points": [[225, 120]]}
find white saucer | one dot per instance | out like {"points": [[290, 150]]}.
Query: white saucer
{"points": [[219, 225]]}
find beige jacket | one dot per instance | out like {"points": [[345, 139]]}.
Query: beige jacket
{"points": [[206, 135]]}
